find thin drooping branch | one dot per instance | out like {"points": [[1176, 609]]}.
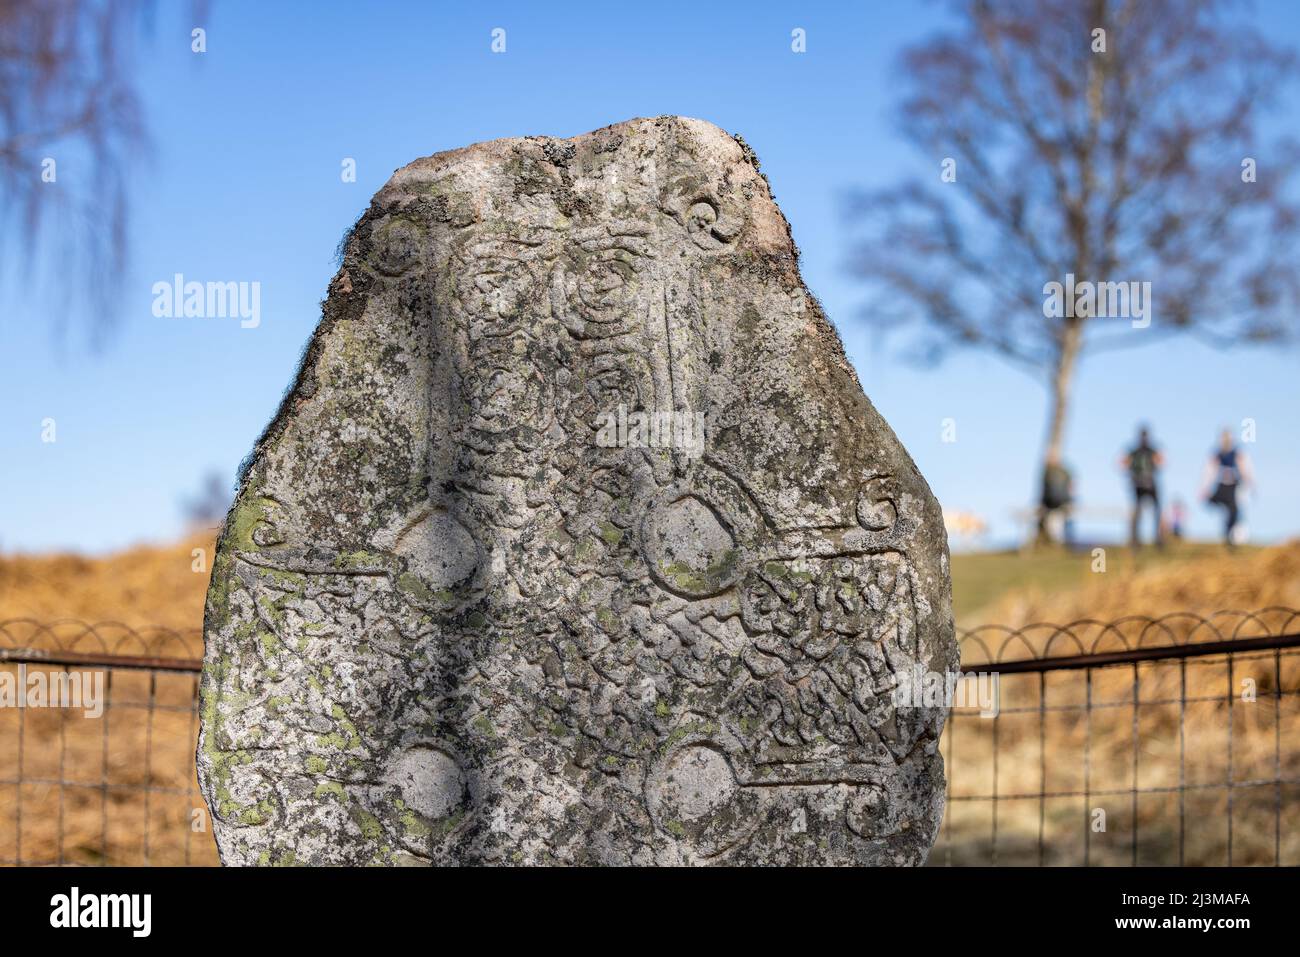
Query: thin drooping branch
{"points": [[70, 125]]}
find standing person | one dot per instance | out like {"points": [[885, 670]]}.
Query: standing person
{"points": [[1057, 496], [1228, 470], [1142, 463]]}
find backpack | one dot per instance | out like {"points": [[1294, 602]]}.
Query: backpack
{"points": [[1142, 466]]}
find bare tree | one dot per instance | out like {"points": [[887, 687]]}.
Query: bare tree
{"points": [[207, 509], [1110, 140], [70, 122]]}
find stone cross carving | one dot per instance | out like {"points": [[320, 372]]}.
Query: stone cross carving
{"points": [[576, 540]]}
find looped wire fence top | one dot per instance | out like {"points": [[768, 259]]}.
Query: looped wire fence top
{"points": [[1090, 637], [982, 645], [109, 643]]}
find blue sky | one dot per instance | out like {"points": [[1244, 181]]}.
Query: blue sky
{"points": [[242, 183]]}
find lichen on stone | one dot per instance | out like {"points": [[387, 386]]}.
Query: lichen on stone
{"points": [[450, 621]]}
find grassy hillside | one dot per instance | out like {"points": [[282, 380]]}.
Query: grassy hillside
{"points": [[1059, 586], [153, 585]]}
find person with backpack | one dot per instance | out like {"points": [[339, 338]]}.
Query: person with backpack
{"points": [[1227, 471], [1142, 462]]}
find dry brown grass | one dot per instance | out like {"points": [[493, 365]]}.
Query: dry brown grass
{"points": [[99, 817], [1222, 580], [146, 586], [133, 765], [1138, 734]]}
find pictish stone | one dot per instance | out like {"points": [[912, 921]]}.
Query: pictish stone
{"points": [[576, 540]]}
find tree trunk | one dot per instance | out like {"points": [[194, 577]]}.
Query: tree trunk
{"points": [[1062, 380]]}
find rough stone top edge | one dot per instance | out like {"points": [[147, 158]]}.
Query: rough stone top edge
{"points": [[732, 146], [502, 145], [774, 232]]}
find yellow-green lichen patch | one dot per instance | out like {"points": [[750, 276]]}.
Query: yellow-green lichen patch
{"points": [[414, 827], [249, 512], [330, 788], [271, 645], [413, 586], [371, 828], [346, 737], [258, 814], [695, 581]]}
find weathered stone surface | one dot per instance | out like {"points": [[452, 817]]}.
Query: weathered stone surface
{"points": [[455, 616]]}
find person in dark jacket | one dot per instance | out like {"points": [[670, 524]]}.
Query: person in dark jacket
{"points": [[1142, 462]]}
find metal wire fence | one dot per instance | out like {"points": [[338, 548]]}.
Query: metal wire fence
{"points": [[1168, 740], [97, 746]]}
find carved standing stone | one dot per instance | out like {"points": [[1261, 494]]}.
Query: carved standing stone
{"points": [[489, 594]]}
